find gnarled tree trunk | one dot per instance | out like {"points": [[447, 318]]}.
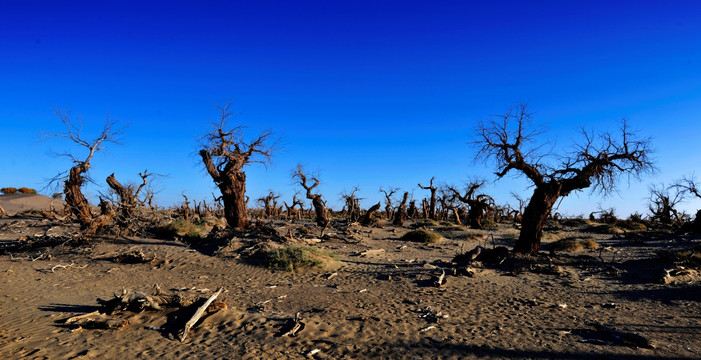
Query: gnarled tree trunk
{"points": [[534, 218]]}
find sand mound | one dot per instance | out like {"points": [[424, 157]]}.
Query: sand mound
{"points": [[16, 203]]}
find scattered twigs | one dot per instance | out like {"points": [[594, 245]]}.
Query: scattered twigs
{"points": [[198, 314], [440, 280]]}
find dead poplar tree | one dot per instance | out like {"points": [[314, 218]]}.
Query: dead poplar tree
{"points": [[687, 185], [322, 214], [352, 205], [432, 205], [663, 203], [367, 219], [291, 211], [76, 203], [598, 161], [225, 153], [388, 201], [478, 204], [269, 202], [400, 214]]}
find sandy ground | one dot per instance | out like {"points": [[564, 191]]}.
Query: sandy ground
{"points": [[376, 306]]}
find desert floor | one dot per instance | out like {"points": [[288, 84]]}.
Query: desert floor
{"points": [[378, 304]]}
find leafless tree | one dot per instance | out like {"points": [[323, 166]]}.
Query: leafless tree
{"points": [[432, 205], [76, 203], [508, 141], [269, 202], [352, 204], [368, 219], [322, 214], [225, 153], [663, 202], [688, 186], [400, 214], [478, 204], [291, 211], [388, 200]]}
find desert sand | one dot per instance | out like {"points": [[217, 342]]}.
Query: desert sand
{"points": [[381, 303]]}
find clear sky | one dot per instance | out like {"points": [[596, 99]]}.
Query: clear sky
{"points": [[370, 93]]}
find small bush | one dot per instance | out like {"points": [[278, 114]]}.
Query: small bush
{"points": [[26, 190], [422, 235], [604, 229], [8, 190], [181, 227], [575, 222], [424, 223], [489, 223], [574, 244], [448, 226], [292, 258], [632, 225]]}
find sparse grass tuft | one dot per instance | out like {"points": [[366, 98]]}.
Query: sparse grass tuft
{"points": [[448, 226], [422, 235], [292, 258]]}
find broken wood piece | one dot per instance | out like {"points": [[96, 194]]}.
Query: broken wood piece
{"points": [[431, 327], [440, 280], [297, 325], [331, 276], [59, 266], [198, 314]]}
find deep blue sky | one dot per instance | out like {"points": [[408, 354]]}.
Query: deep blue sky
{"points": [[369, 93]]}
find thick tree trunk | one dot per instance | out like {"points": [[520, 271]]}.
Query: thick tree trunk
{"points": [[534, 218], [233, 191], [75, 201], [367, 218], [322, 214], [127, 199], [400, 213]]}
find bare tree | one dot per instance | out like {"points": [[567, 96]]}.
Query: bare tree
{"points": [[322, 214], [225, 154], [128, 199], [688, 186], [291, 211], [478, 204], [352, 204], [663, 203], [599, 161], [367, 219], [432, 205], [76, 203], [269, 202], [388, 200], [400, 214]]}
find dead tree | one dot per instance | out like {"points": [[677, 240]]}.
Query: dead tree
{"points": [[128, 195], [225, 154], [76, 203], [432, 205], [291, 211], [478, 204], [388, 201], [367, 219], [269, 202], [413, 211], [185, 207], [598, 161], [400, 214], [352, 205], [663, 203], [687, 185], [322, 214]]}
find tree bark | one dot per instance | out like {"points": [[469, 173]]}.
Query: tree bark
{"points": [[535, 216], [76, 203], [367, 218]]}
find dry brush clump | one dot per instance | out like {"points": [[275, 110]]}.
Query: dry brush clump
{"points": [[423, 236], [292, 258]]}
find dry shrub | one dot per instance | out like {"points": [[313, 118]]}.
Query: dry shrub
{"points": [[182, 228], [575, 222], [26, 190], [293, 258], [422, 235], [475, 236], [8, 190], [604, 229], [424, 223], [574, 244], [448, 226], [632, 225]]}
